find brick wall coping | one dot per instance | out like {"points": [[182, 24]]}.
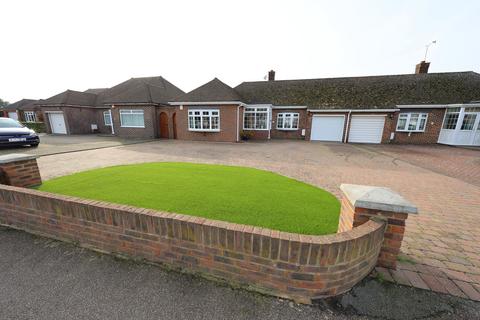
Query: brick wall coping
{"points": [[14, 157], [377, 198]]}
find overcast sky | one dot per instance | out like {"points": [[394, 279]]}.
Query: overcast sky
{"points": [[50, 46]]}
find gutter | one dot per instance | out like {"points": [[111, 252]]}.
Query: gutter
{"points": [[350, 110]]}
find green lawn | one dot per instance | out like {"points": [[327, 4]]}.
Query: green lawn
{"points": [[234, 194]]}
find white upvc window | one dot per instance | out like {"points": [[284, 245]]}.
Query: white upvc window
{"points": [[255, 118], [30, 116], [451, 118], [287, 121], [107, 118], [207, 120], [412, 122], [132, 118]]}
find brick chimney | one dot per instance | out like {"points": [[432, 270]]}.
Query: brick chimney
{"points": [[271, 75], [422, 67]]}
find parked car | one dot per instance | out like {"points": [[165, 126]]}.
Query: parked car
{"points": [[13, 133]]}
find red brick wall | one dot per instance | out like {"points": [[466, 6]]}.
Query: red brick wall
{"points": [[432, 129], [351, 217], [21, 173], [150, 119], [228, 124], [78, 120], [303, 268], [288, 134]]}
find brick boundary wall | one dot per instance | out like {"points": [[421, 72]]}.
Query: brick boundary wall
{"points": [[19, 170], [299, 267], [392, 209]]}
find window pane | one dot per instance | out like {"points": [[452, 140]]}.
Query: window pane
{"points": [[468, 121], [423, 121], [288, 121], [412, 124], [261, 121], [450, 121], [215, 122], [249, 121], [280, 121], [107, 119], [132, 118], [205, 121], [295, 121]]}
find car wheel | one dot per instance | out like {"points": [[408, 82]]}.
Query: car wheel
{"points": [[34, 145]]}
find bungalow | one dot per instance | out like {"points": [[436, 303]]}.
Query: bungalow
{"points": [[416, 108], [24, 110]]}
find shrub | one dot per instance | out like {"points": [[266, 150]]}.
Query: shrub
{"points": [[246, 135], [37, 126]]}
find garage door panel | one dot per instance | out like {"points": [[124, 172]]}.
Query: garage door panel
{"points": [[366, 129], [327, 128], [57, 123]]}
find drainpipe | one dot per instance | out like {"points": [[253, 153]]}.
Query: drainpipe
{"points": [[238, 123], [347, 129], [111, 119]]}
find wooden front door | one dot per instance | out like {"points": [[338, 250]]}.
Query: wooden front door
{"points": [[163, 125]]}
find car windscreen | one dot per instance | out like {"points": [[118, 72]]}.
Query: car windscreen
{"points": [[9, 123]]}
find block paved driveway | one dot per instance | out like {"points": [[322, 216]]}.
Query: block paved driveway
{"points": [[441, 251]]}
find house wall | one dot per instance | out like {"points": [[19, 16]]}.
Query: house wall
{"points": [[228, 124], [78, 120], [289, 134], [150, 129], [432, 129]]}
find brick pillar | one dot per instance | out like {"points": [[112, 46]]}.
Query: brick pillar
{"points": [[361, 203], [19, 170]]}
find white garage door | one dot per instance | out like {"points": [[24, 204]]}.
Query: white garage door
{"points": [[366, 129], [57, 123], [327, 128], [13, 115]]}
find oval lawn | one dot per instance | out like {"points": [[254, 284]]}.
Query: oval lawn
{"points": [[234, 194]]}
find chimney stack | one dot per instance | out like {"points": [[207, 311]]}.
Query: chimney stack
{"points": [[422, 67], [271, 75]]}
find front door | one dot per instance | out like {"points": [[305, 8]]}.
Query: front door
{"points": [[163, 125]]}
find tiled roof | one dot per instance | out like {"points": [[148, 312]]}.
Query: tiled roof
{"points": [[214, 90], [24, 104], [366, 92], [71, 97]]}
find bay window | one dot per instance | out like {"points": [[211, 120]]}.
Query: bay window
{"points": [[132, 118], [255, 118], [204, 120], [412, 122], [287, 121]]}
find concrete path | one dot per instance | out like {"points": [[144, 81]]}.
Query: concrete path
{"points": [[441, 251], [46, 279]]}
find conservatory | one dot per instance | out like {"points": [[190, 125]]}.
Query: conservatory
{"points": [[461, 125]]}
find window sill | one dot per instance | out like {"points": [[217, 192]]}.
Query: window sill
{"points": [[201, 130], [132, 127], [411, 131], [255, 129], [281, 129]]}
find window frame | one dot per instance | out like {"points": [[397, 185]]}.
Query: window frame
{"points": [[292, 115], [130, 112], [191, 114], [454, 110], [109, 114], [255, 111], [407, 123], [29, 115]]}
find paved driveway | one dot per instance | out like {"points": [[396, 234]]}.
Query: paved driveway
{"points": [[442, 244], [54, 144]]}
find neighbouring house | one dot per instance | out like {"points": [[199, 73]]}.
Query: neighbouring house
{"points": [[25, 110], [418, 108]]}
